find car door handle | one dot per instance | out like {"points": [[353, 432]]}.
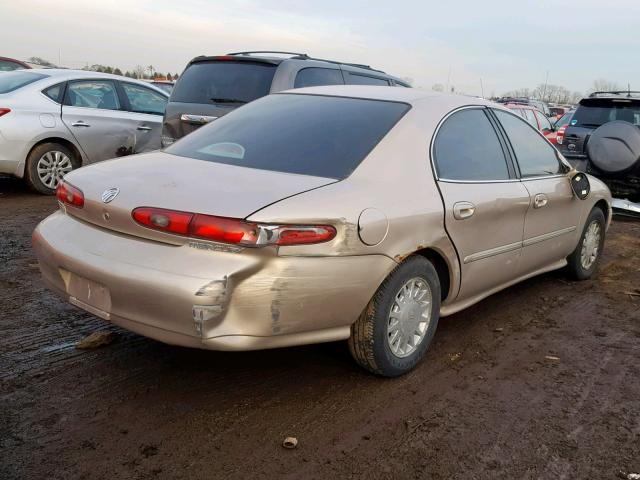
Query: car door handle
{"points": [[462, 210], [80, 123], [540, 200], [144, 128]]}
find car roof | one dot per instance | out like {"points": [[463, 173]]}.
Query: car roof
{"points": [[62, 74], [520, 105], [392, 94]]}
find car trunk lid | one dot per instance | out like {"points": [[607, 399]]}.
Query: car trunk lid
{"points": [[177, 183]]}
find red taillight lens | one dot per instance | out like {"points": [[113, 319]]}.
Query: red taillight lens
{"points": [[70, 195], [165, 220], [231, 230], [295, 235], [560, 135], [4, 111]]}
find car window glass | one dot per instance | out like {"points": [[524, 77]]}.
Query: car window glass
{"points": [[304, 134], [312, 77], [93, 94], [564, 120], [7, 66], [144, 100], [596, 112], [467, 148], [55, 92], [11, 81], [217, 81], [355, 79], [530, 117], [534, 154], [544, 122]]}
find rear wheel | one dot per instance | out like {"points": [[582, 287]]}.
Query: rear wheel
{"points": [[582, 263], [47, 164], [396, 328]]}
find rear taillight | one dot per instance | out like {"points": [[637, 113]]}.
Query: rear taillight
{"points": [[231, 230], [4, 111], [560, 135], [70, 195]]}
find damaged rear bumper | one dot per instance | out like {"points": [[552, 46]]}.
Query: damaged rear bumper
{"points": [[199, 297]]}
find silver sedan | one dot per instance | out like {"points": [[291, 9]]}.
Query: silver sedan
{"points": [[53, 121]]}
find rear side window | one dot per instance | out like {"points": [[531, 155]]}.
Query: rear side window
{"points": [[223, 82], [99, 94], [467, 148], [355, 79], [313, 77], [11, 81], [144, 100], [304, 134], [55, 92], [535, 156], [543, 121], [530, 117], [592, 113]]}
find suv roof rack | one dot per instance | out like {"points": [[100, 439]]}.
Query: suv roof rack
{"points": [[626, 93], [304, 56]]}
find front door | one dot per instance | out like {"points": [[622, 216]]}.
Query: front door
{"points": [[93, 113], [550, 229], [485, 204]]}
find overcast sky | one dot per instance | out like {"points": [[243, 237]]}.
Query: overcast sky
{"points": [[508, 43]]}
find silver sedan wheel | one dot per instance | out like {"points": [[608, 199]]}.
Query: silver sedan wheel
{"points": [[52, 166], [409, 317], [591, 245]]}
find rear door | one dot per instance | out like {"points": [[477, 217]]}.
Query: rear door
{"points": [[554, 212], [485, 204], [145, 109], [94, 114], [207, 90]]}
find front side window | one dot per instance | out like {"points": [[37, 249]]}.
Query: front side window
{"points": [[93, 94], [467, 148], [534, 155], [355, 79], [144, 100], [304, 134], [11, 81], [314, 77]]}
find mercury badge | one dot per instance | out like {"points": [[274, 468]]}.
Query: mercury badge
{"points": [[110, 194]]}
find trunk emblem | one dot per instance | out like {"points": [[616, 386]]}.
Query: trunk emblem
{"points": [[109, 194]]}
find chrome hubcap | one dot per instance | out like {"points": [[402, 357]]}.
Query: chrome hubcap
{"points": [[52, 166], [590, 245], [409, 317]]}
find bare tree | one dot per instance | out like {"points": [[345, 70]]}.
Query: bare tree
{"points": [[602, 85], [139, 71], [41, 61], [438, 87]]}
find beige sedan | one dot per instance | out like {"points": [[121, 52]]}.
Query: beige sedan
{"points": [[322, 214]]}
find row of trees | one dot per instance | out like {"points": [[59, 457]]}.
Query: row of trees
{"points": [[558, 94], [149, 72]]}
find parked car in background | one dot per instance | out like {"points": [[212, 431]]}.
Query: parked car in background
{"points": [[52, 121], [211, 87], [165, 85], [323, 214], [536, 119], [537, 104], [603, 138], [561, 125], [9, 64]]}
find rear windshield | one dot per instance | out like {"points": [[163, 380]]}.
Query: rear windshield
{"points": [[304, 134], [10, 81], [223, 82], [595, 112]]}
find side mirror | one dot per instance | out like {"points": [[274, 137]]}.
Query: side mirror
{"points": [[580, 185]]}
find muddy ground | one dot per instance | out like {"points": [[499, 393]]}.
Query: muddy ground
{"points": [[485, 402]]}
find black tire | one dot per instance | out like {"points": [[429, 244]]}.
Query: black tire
{"points": [[575, 267], [368, 343], [31, 173]]}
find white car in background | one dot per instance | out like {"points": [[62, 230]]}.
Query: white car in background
{"points": [[53, 121]]}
